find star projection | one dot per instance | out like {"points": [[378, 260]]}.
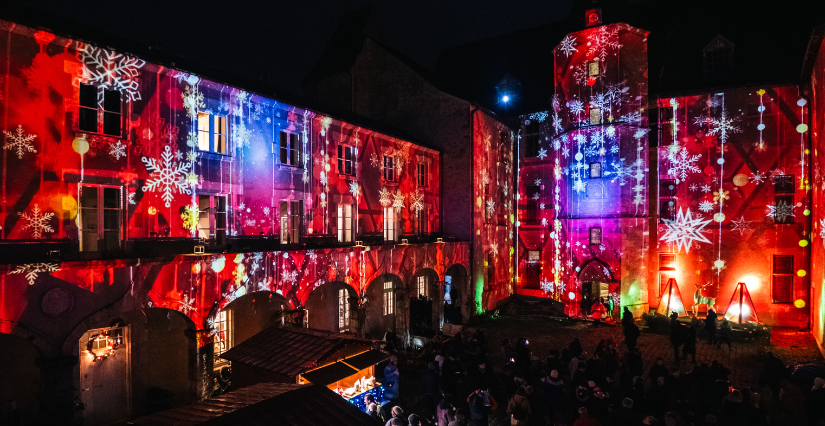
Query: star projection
{"points": [[685, 230]]}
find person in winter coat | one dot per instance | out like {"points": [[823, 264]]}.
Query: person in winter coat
{"points": [[519, 408], [597, 310], [391, 391], [553, 390], [481, 403], [584, 304], [658, 370], [398, 418], [677, 334], [445, 412], [585, 419], [725, 333], [815, 404], [710, 326], [432, 389], [773, 371], [690, 343]]}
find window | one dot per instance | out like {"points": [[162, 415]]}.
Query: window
{"points": [[421, 283], [389, 299], [423, 221], [100, 217], [667, 188], [489, 208], [491, 270], [667, 209], [91, 111], [593, 68], [667, 269], [783, 207], [595, 116], [344, 223], [291, 214], [532, 138], [389, 224], [345, 160], [448, 288], [212, 217], [212, 133], [533, 256], [422, 174], [783, 184], [222, 339], [389, 169], [596, 235], [343, 309], [595, 170], [290, 149], [718, 58], [782, 278]]}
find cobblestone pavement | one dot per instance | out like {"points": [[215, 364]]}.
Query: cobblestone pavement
{"points": [[744, 360]]}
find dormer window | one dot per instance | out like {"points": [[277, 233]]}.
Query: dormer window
{"points": [[718, 58]]}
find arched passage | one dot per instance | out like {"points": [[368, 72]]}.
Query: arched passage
{"points": [[384, 295], [598, 282], [21, 378], [425, 303], [456, 283], [331, 307], [252, 313]]}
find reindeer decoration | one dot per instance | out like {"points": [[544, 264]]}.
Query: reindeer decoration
{"points": [[698, 299]]}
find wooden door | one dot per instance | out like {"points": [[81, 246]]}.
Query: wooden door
{"points": [[105, 383]]}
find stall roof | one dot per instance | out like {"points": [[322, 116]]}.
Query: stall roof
{"points": [[329, 373], [366, 359], [288, 351], [265, 404]]}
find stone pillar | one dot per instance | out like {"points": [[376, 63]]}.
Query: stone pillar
{"points": [[57, 399]]}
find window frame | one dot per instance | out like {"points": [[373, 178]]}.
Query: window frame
{"points": [[343, 310], [788, 199], [344, 228], [99, 111], [789, 274], [388, 172], [291, 222], [222, 325], [100, 219], [211, 133], [212, 214], [592, 234], [422, 283], [422, 219], [784, 184], [287, 149], [389, 298], [390, 219], [422, 174], [343, 162]]}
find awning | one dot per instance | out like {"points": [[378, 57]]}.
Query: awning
{"points": [[367, 359], [329, 374]]}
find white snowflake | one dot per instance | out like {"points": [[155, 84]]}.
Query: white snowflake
{"points": [[614, 149], [557, 123], [354, 189], [187, 305], [634, 117], [191, 156], [241, 206], [38, 221], [565, 152], [576, 107], [722, 126], [398, 200], [19, 141], [541, 206], [131, 198], [266, 211], [822, 230], [374, 160], [494, 248], [417, 201], [781, 211], [600, 101], [599, 42], [168, 175], [568, 45], [289, 277], [542, 153], [757, 177], [539, 116], [117, 150], [384, 197], [578, 185], [250, 222], [693, 187], [740, 225], [109, 70], [31, 270], [536, 196], [682, 164], [685, 230], [544, 222], [538, 182], [706, 188], [491, 207], [706, 206]]}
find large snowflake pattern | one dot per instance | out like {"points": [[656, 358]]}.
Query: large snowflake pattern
{"points": [[398, 200], [417, 201], [109, 70], [19, 141], [781, 211], [117, 150], [354, 189], [601, 41], [706, 206], [38, 221], [722, 126], [685, 230], [167, 175], [32, 270], [683, 163]]}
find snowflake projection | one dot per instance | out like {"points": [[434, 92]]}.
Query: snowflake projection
{"points": [[614, 149], [117, 150], [685, 230], [718, 265], [757, 177], [539, 116], [535, 196], [547, 286], [354, 189], [490, 207], [706, 188], [720, 196], [740, 225], [19, 141], [568, 45], [538, 182], [266, 211], [634, 117], [722, 126], [289, 277], [565, 152], [620, 171], [576, 107], [706, 206], [32, 270], [542, 153], [191, 156], [599, 101], [186, 304], [398, 200], [109, 70], [192, 101], [374, 160], [581, 72], [384, 197], [601, 41], [544, 222], [190, 218], [494, 248], [38, 221], [557, 123], [682, 164], [781, 211], [822, 230], [131, 198], [578, 185], [167, 176], [693, 187], [417, 201], [241, 206]]}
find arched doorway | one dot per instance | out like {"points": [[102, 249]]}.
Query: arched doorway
{"points": [[598, 282], [425, 303], [331, 307], [382, 314], [252, 313], [21, 378], [454, 294]]}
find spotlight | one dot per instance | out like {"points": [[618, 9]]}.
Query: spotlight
{"points": [[505, 99]]}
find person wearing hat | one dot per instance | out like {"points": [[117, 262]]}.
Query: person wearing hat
{"points": [[397, 417]]}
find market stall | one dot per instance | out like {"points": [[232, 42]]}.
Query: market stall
{"points": [[352, 377]]}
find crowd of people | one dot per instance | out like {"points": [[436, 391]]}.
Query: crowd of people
{"points": [[457, 385]]}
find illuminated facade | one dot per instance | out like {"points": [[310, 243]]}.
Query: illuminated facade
{"points": [[815, 93], [134, 192]]}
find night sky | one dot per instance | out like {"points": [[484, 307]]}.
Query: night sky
{"points": [[287, 37]]}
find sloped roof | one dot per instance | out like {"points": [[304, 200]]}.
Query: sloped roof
{"points": [[287, 351], [265, 404], [770, 45]]}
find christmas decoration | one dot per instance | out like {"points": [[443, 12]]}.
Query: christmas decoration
{"points": [[101, 352], [117, 150], [19, 141], [568, 45], [31, 270], [109, 70], [168, 176], [37, 221], [781, 211], [741, 225], [682, 164], [684, 230], [741, 307], [671, 300]]}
